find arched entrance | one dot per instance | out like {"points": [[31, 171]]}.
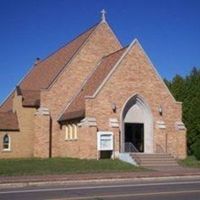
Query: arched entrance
{"points": [[136, 126]]}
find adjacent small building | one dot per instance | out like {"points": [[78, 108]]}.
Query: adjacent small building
{"points": [[90, 99]]}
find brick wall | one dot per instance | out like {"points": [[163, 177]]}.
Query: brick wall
{"points": [[21, 141], [100, 43], [42, 134], [134, 75]]}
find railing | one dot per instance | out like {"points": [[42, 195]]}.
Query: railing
{"points": [[129, 147], [160, 149]]}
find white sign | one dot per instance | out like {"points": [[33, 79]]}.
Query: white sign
{"points": [[104, 141]]}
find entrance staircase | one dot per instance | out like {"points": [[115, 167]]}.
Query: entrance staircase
{"points": [[154, 161]]}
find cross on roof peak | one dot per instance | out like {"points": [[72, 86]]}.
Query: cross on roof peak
{"points": [[103, 15]]}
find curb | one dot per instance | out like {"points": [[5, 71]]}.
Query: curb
{"points": [[67, 182]]}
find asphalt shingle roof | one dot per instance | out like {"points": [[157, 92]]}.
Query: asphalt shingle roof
{"points": [[40, 77], [76, 109]]}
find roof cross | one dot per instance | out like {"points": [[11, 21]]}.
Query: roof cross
{"points": [[103, 17]]}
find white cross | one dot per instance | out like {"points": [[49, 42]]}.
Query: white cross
{"points": [[103, 17]]}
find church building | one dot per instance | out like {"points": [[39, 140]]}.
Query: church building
{"points": [[92, 98]]}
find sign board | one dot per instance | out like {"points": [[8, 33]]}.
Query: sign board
{"points": [[104, 141]]}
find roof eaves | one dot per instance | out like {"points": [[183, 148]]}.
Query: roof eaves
{"points": [[79, 114], [18, 90], [9, 129]]}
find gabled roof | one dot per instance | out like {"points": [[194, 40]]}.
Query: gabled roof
{"points": [[40, 77], [44, 73], [76, 109], [8, 121]]}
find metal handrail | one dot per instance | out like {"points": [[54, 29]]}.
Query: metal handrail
{"points": [[129, 147]]}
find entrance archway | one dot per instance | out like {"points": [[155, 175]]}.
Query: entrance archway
{"points": [[136, 126]]}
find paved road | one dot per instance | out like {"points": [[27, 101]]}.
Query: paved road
{"points": [[187, 189]]}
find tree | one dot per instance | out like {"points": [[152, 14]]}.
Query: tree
{"points": [[187, 90]]}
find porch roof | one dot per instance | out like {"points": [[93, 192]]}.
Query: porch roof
{"points": [[89, 88]]}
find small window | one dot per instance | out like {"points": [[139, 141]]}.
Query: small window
{"points": [[66, 133], [6, 142], [75, 131], [71, 132]]}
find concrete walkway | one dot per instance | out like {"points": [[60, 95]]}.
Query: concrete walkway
{"points": [[16, 181]]}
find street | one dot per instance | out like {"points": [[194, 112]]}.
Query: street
{"points": [[184, 189]]}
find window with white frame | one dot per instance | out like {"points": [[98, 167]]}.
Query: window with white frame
{"points": [[71, 132], [74, 131], [6, 142]]}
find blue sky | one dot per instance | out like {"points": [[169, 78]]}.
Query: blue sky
{"points": [[169, 31]]}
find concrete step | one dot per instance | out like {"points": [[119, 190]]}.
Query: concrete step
{"points": [[151, 155], [157, 161], [154, 160], [160, 165]]}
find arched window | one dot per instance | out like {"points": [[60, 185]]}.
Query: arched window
{"points": [[6, 142]]}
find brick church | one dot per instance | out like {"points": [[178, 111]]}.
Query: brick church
{"points": [[89, 99]]}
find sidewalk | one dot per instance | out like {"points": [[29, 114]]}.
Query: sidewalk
{"points": [[22, 181]]}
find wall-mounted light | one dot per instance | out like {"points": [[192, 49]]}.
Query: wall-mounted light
{"points": [[114, 107], [160, 110]]}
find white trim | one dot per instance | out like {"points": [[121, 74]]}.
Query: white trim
{"points": [[71, 132], [180, 126], [9, 143], [42, 111], [113, 123], [66, 132], [88, 121], [142, 101], [75, 135], [160, 125], [107, 134]]}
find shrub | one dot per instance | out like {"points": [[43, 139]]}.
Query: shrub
{"points": [[196, 149]]}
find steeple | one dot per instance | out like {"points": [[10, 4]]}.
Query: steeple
{"points": [[103, 17]]}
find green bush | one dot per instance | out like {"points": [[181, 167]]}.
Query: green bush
{"points": [[196, 149]]}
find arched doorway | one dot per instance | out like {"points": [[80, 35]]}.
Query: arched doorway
{"points": [[136, 126]]}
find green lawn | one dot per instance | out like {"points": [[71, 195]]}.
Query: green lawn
{"points": [[190, 161], [10, 167]]}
